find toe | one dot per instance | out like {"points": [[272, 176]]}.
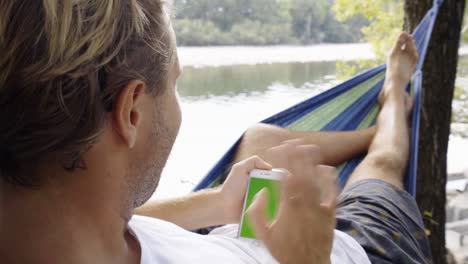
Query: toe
{"points": [[405, 38], [401, 43], [413, 52]]}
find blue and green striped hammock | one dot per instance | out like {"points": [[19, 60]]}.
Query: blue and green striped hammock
{"points": [[349, 106]]}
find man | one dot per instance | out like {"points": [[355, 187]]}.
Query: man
{"points": [[89, 116]]}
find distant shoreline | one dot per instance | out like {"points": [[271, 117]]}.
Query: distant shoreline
{"points": [[215, 56]]}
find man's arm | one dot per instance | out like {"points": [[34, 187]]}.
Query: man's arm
{"points": [[211, 207], [194, 211]]}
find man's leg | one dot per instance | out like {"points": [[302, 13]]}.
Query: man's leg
{"points": [[388, 153], [373, 207], [336, 147]]}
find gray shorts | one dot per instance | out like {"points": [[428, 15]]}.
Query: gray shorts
{"points": [[385, 221]]}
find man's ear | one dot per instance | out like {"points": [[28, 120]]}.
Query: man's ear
{"points": [[128, 111]]}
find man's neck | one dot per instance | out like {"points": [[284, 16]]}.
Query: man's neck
{"points": [[77, 223]]}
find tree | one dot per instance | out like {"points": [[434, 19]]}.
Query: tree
{"points": [[338, 32], [307, 18], [261, 22], [224, 13], [439, 80]]}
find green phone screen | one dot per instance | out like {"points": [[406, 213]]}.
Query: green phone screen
{"points": [[256, 185]]}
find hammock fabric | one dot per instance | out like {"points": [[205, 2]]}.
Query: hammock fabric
{"points": [[349, 106]]}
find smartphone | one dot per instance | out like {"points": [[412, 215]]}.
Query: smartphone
{"points": [[258, 180]]}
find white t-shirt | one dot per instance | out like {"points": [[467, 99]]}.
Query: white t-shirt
{"points": [[164, 242]]}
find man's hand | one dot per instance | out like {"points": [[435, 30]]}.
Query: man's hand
{"points": [[233, 190], [209, 207], [303, 229]]}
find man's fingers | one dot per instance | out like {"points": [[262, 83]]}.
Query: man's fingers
{"points": [[295, 157], [256, 215], [329, 188], [312, 190], [305, 158], [247, 165], [261, 164], [293, 193], [278, 155]]}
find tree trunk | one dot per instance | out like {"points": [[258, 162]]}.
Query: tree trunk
{"points": [[438, 87]]}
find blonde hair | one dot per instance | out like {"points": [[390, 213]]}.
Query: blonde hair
{"points": [[62, 64]]}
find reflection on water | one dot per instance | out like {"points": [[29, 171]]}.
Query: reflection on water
{"points": [[247, 79]]}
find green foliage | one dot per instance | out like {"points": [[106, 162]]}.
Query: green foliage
{"points": [[386, 21], [460, 93], [253, 32], [346, 69], [261, 22], [307, 19], [339, 32], [199, 32]]}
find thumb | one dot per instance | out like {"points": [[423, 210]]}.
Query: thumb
{"points": [[256, 215]]}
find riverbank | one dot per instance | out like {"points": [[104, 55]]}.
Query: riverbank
{"points": [[247, 55]]}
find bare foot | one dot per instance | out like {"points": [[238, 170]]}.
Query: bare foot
{"points": [[401, 64]]}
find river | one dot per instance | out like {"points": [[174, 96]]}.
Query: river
{"points": [[224, 90]]}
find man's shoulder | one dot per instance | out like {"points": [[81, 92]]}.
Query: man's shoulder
{"points": [[139, 219], [140, 223]]}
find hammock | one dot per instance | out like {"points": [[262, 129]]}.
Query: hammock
{"points": [[349, 106]]}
